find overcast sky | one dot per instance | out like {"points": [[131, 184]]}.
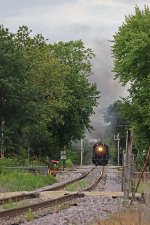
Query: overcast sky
{"points": [[93, 21]]}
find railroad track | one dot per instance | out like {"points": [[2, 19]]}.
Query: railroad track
{"points": [[48, 203], [96, 183], [35, 194], [36, 206], [59, 187], [17, 198]]}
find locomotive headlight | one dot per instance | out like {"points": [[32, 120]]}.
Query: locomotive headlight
{"points": [[100, 149]]}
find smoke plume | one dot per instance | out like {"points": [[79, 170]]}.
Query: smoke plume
{"points": [[110, 89]]}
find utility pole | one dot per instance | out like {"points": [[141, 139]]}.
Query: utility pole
{"points": [[127, 164], [81, 149], [2, 139], [116, 138]]}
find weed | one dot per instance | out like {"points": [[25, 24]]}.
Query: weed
{"points": [[63, 206], [24, 182], [75, 186], [9, 205], [29, 215]]}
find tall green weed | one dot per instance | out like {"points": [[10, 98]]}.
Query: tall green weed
{"points": [[24, 181]]}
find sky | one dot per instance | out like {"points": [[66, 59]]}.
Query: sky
{"points": [[93, 21]]}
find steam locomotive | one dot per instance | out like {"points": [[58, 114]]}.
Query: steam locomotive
{"points": [[100, 154]]}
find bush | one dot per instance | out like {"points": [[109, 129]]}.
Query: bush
{"points": [[4, 163], [69, 163], [73, 155]]}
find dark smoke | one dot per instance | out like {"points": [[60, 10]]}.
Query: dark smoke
{"points": [[103, 76]]}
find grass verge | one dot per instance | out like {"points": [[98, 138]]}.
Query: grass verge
{"points": [[24, 181]]}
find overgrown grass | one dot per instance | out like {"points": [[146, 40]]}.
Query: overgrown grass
{"points": [[75, 186], [8, 205], [24, 181]]}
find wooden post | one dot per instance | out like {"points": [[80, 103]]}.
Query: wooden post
{"points": [[81, 151], [116, 138], [133, 170], [2, 140], [123, 167], [143, 170], [127, 166]]}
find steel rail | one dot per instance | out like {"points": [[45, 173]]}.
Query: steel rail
{"points": [[96, 183], [35, 194], [49, 203], [36, 206], [17, 198], [69, 182]]}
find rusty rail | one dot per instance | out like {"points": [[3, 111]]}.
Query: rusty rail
{"points": [[48, 203], [96, 183], [44, 204], [35, 194], [67, 183], [17, 198]]}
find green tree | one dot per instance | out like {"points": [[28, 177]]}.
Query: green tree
{"points": [[131, 51], [46, 90], [81, 95], [12, 85], [114, 124], [32, 89], [46, 98]]}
